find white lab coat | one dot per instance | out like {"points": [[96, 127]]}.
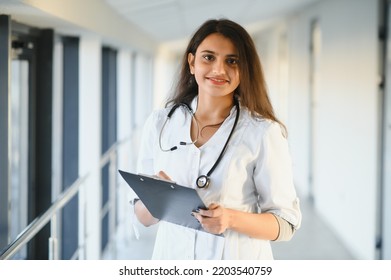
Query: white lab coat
{"points": [[254, 175]]}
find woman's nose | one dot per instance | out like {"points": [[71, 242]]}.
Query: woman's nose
{"points": [[219, 66]]}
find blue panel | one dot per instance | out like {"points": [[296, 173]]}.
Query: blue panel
{"points": [[70, 144]]}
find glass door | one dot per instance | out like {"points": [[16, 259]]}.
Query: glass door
{"points": [[26, 90]]}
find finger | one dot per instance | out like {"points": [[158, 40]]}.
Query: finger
{"points": [[196, 216], [163, 175], [205, 212], [210, 225], [213, 206], [214, 210], [203, 220]]}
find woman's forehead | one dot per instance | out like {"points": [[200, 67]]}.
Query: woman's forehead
{"points": [[218, 43]]}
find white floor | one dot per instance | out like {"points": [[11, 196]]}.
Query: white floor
{"points": [[313, 241]]}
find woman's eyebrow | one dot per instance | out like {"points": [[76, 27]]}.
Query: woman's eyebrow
{"points": [[212, 52], [208, 51]]}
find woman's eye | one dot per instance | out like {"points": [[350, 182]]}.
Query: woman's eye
{"points": [[232, 61], [208, 57]]}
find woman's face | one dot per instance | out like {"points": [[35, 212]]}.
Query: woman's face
{"points": [[215, 66]]}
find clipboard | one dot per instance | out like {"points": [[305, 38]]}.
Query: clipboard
{"points": [[166, 200]]}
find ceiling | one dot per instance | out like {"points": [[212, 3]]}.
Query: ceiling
{"points": [[170, 20], [145, 24]]}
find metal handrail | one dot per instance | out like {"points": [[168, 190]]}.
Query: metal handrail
{"points": [[105, 158], [110, 157], [38, 223]]}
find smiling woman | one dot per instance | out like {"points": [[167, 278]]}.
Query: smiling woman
{"points": [[235, 139], [215, 67], [216, 72]]}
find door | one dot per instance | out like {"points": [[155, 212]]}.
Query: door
{"points": [[385, 193], [26, 129], [315, 49]]}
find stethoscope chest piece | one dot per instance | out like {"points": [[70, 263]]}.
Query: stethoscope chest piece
{"points": [[203, 182]]}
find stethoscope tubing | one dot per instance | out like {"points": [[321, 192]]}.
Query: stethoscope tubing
{"points": [[202, 181]]}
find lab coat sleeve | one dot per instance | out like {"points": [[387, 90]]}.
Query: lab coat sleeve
{"points": [[145, 159], [273, 177]]}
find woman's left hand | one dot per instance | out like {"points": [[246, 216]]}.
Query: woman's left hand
{"points": [[214, 220]]}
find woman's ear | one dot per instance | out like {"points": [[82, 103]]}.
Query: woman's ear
{"points": [[190, 60]]}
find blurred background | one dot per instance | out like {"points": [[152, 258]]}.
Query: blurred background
{"points": [[79, 78]]}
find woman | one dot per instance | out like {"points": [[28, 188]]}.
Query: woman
{"points": [[233, 150]]}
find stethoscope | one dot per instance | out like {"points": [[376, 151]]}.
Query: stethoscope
{"points": [[202, 181]]}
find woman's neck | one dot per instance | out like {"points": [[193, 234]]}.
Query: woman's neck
{"points": [[210, 114], [211, 110]]}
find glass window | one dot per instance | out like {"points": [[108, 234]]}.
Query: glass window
{"points": [[19, 150]]}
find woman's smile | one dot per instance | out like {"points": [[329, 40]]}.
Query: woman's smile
{"points": [[217, 81]]}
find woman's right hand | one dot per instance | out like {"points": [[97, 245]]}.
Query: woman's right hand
{"points": [[142, 213]]}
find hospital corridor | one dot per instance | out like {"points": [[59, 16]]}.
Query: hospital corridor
{"points": [[79, 79]]}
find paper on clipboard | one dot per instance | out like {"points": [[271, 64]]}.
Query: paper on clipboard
{"points": [[166, 200]]}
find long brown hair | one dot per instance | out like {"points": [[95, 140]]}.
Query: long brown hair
{"points": [[252, 89]]}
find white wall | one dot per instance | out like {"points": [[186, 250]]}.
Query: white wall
{"points": [[166, 68], [124, 107], [288, 88], [346, 161], [126, 150], [347, 157], [144, 80], [273, 52], [90, 142]]}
